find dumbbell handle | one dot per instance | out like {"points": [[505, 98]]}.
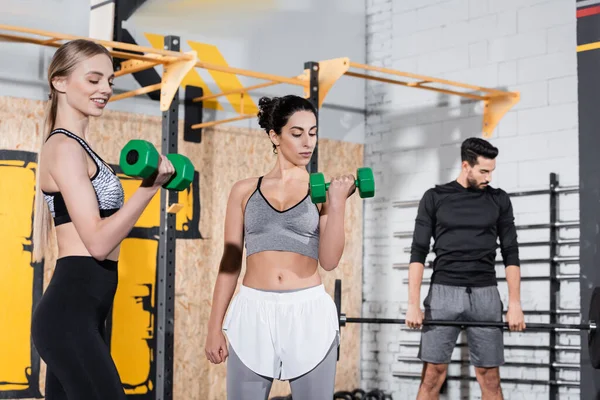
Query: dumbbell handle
{"points": [[329, 183]]}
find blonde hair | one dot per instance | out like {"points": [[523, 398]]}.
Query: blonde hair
{"points": [[64, 61]]}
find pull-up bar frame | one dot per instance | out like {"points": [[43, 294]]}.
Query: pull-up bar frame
{"points": [[496, 102]]}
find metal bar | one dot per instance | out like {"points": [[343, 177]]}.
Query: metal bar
{"points": [[169, 56], [234, 91], [137, 68], [517, 364], [570, 312], [504, 380], [222, 121], [337, 298], [136, 92], [165, 293], [553, 224], [106, 43], [429, 79], [313, 68], [251, 74], [506, 346], [554, 284], [408, 84], [531, 326]]}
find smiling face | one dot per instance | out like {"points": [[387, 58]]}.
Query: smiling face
{"points": [[88, 87], [298, 138]]}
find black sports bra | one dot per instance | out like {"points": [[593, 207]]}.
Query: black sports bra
{"points": [[106, 183]]}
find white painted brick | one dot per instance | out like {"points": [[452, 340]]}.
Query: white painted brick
{"points": [[444, 13], [517, 46], [380, 7], [547, 119], [372, 4], [376, 19], [547, 66], [545, 15], [562, 90], [508, 125], [477, 8], [562, 38], [478, 54], [400, 6], [446, 60], [506, 23], [483, 75], [535, 173], [506, 174], [504, 5], [463, 32], [418, 42], [404, 23], [507, 73], [412, 144], [384, 24], [533, 94]]}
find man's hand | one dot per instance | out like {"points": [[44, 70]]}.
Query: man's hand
{"points": [[414, 317], [515, 317]]}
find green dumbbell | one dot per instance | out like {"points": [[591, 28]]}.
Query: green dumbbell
{"points": [[184, 172], [139, 158], [365, 183]]}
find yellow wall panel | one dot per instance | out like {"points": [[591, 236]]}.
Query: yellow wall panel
{"points": [[17, 192], [132, 330], [150, 216]]}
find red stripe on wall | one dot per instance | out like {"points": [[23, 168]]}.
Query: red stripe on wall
{"points": [[586, 12]]}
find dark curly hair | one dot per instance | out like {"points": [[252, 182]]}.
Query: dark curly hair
{"points": [[274, 112], [474, 147]]}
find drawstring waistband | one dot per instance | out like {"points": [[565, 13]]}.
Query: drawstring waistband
{"points": [[469, 291]]}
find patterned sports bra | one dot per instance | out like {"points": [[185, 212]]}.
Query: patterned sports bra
{"points": [[106, 183]]}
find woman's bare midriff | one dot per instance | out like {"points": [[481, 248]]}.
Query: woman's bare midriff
{"points": [[70, 244], [278, 270]]}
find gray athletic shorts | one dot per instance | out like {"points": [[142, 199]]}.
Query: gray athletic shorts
{"points": [[458, 303]]}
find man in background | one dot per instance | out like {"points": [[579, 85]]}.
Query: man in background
{"points": [[465, 217]]}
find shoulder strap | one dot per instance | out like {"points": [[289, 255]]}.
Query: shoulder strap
{"points": [[72, 136], [259, 181], [82, 142]]}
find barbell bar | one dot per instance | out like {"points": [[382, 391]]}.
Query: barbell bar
{"points": [[590, 327]]}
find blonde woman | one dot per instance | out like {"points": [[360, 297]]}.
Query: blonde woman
{"points": [[80, 207]]}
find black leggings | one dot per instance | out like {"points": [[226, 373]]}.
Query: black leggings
{"points": [[68, 331]]}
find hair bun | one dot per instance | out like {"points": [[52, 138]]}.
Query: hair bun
{"points": [[265, 112]]}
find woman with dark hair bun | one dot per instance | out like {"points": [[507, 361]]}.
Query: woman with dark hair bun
{"points": [[282, 324]]}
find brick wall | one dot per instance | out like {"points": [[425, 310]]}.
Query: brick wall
{"points": [[412, 142]]}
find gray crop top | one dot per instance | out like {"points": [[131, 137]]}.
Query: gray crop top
{"points": [[108, 188], [295, 229]]}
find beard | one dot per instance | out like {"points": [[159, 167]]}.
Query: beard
{"points": [[473, 184]]}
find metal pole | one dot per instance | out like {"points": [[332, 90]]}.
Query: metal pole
{"points": [[313, 97], [554, 283], [165, 292]]}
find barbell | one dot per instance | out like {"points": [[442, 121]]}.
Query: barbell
{"points": [[590, 327]]}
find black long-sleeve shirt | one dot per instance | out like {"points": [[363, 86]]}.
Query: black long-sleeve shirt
{"points": [[466, 225]]}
